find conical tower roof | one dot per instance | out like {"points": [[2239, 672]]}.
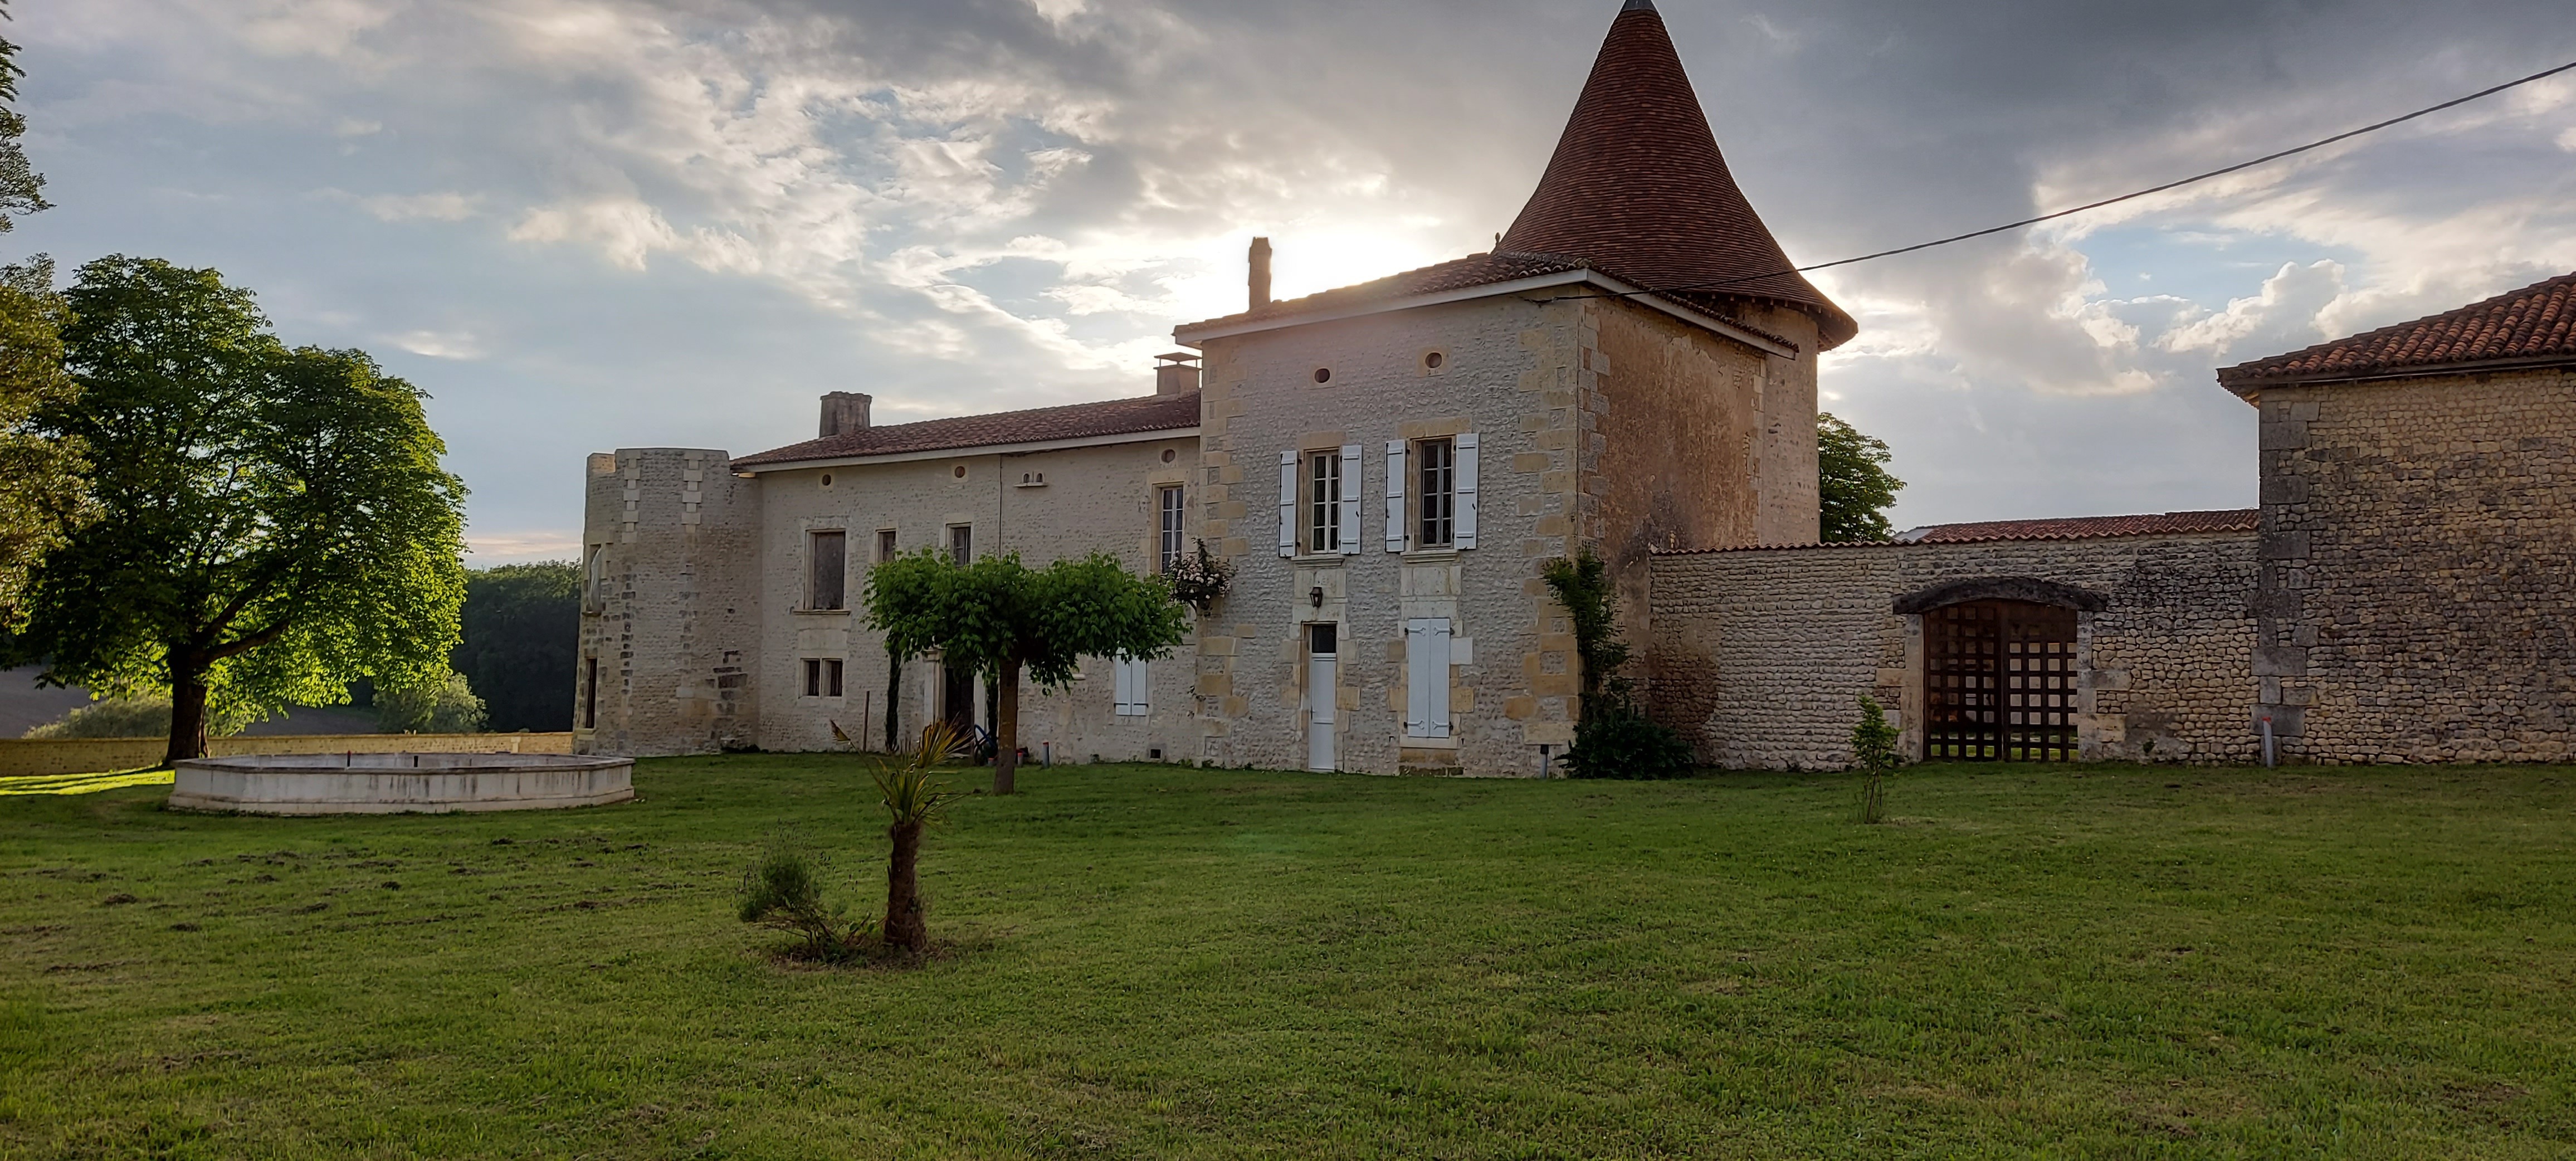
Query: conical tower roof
{"points": [[1638, 189]]}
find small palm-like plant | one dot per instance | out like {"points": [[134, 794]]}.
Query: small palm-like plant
{"points": [[913, 802], [783, 892]]}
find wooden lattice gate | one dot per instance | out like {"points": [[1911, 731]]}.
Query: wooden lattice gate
{"points": [[1999, 682]]}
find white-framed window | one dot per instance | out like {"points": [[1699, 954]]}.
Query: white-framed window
{"points": [[827, 566], [1323, 502], [1435, 493], [1172, 520], [1426, 677], [1431, 493], [1133, 684], [822, 677]]}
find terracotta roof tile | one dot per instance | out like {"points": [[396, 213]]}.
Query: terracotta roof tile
{"points": [[1457, 274], [2088, 527], [2065, 528], [1638, 188], [1073, 421], [2536, 324], [1466, 273]]}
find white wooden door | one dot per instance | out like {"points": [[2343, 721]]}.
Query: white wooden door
{"points": [[1322, 712]]}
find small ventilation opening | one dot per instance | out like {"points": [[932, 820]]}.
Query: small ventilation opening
{"points": [[959, 471], [1432, 361], [827, 479], [1169, 455], [1323, 374], [1156, 753]]}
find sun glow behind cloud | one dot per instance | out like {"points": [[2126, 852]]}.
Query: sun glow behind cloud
{"points": [[586, 224]]}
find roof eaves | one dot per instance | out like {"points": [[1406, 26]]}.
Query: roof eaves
{"points": [[755, 465], [1195, 334]]}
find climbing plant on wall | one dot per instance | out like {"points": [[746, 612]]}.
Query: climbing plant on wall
{"points": [[1614, 738]]}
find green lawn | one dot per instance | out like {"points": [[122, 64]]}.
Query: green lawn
{"points": [[1154, 961]]}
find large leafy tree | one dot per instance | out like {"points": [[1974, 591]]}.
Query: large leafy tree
{"points": [[522, 627], [1853, 486], [22, 189], [1007, 621], [40, 485], [39, 481], [273, 523]]}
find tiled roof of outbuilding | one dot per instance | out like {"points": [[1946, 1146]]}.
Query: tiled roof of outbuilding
{"points": [[1108, 417], [1638, 188], [2536, 324], [2062, 528], [2088, 527]]}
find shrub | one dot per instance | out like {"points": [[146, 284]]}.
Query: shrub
{"points": [[131, 717], [442, 707], [1873, 744], [781, 891], [1614, 738]]}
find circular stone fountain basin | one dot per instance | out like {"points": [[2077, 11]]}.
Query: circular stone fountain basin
{"points": [[399, 783]]}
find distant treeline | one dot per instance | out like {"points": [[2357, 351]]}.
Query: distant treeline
{"points": [[522, 624]]}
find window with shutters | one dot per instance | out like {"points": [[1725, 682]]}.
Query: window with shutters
{"points": [[828, 555], [1173, 521], [1133, 694], [1435, 497], [1324, 502]]}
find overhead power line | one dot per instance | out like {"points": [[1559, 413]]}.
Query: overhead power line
{"points": [[2112, 201]]}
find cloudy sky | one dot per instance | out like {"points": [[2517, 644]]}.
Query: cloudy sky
{"points": [[585, 224]]}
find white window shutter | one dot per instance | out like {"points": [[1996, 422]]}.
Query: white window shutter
{"points": [[1287, 503], [1466, 527], [1123, 685], [1439, 641], [1417, 678], [1350, 499], [1395, 526], [1140, 692]]}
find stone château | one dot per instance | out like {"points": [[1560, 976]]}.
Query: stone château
{"points": [[1631, 370]]}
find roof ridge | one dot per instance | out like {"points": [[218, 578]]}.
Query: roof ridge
{"points": [[1124, 415]]}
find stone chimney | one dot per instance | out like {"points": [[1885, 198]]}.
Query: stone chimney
{"points": [[1176, 373], [1260, 273], [844, 413]]}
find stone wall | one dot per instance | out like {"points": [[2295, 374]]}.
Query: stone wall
{"points": [[1692, 438], [1507, 372], [1045, 506], [671, 607], [1760, 656], [2418, 585]]}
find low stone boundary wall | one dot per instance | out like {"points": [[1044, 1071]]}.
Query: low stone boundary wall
{"points": [[26, 757], [1759, 656]]}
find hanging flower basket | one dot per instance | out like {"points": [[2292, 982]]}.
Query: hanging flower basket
{"points": [[1199, 579]]}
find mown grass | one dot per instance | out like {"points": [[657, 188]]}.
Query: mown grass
{"points": [[1154, 961]]}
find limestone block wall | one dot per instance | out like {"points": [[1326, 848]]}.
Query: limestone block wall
{"points": [[1692, 439], [1508, 371], [1046, 506], [2417, 600], [1760, 656], [670, 636]]}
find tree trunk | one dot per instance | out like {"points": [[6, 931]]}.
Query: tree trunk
{"points": [[187, 708], [894, 699], [1006, 729], [904, 927]]}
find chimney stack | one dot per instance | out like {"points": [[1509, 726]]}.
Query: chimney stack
{"points": [[1260, 273], [844, 413], [1176, 373]]}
